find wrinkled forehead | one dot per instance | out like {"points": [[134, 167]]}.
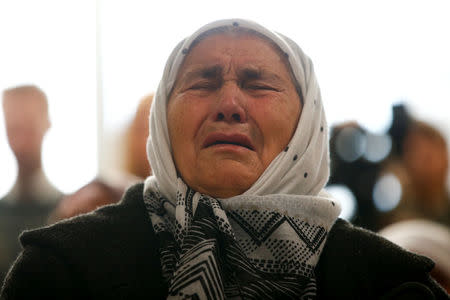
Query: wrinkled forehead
{"points": [[260, 56], [235, 28]]}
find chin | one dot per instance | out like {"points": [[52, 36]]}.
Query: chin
{"points": [[221, 178], [226, 185]]}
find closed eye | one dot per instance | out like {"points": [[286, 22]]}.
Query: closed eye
{"points": [[203, 86], [260, 87]]}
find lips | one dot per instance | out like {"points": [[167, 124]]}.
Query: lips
{"points": [[228, 139]]}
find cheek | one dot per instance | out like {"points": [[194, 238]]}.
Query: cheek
{"points": [[277, 121], [184, 120], [176, 122]]}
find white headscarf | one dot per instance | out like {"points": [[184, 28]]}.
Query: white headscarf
{"points": [[302, 169], [272, 234]]}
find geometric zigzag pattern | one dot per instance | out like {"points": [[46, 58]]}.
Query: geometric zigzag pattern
{"points": [[197, 275], [260, 225], [213, 254]]}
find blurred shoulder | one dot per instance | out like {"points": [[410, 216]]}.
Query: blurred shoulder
{"points": [[100, 226]]}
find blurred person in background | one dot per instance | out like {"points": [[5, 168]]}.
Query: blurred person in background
{"points": [[407, 181], [419, 161], [32, 197], [135, 156], [135, 168]]}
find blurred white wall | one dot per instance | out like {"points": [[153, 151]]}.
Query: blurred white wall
{"points": [[367, 54]]}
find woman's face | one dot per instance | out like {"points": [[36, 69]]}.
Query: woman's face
{"points": [[233, 109]]}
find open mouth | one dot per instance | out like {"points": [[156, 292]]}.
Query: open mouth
{"points": [[224, 139]]}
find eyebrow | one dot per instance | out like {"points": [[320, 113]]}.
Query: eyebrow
{"points": [[216, 71], [251, 73], [203, 72]]}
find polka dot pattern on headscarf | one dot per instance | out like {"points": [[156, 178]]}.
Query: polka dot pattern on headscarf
{"points": [[307, 150]]}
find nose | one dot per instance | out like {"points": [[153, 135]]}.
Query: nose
{"points": [[230, 106]]}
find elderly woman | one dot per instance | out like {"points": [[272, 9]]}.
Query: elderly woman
{"points": [[236, 207]]}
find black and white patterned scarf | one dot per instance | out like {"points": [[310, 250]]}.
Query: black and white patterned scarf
{"points": [[242, 247], [264, 243]]}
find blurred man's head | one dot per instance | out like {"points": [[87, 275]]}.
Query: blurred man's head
{"points": [[426, 157], [26, 121], [136, 162]]}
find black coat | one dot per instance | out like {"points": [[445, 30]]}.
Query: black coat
{"points": [[113, 254]]}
